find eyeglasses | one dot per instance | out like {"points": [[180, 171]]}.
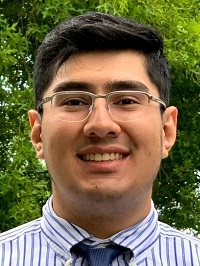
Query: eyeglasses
{"points": [[124, 106]]}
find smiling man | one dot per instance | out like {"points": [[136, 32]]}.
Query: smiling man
{"points": [[102, 124]]}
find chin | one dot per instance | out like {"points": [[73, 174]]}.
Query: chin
{"points": [[104, 194]]}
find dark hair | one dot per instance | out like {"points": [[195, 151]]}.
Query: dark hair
{"points": [[96, 31]]}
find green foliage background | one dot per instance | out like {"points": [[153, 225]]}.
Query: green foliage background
{"points": [[24, 181]]}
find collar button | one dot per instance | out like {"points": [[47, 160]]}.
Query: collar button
{"points": [[68, 262]]}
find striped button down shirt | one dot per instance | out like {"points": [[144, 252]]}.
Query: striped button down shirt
{"points": [[47, 242]]}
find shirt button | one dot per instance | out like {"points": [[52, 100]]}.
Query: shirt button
{"points": [[68, 262], [133, 263], [101, 246]]}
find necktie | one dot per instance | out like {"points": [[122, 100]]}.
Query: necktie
{"points": [[99, 256]]}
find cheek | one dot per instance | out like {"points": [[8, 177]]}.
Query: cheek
{"points": [[146, 129], [59, 138], [146, 136], [148, 149]]}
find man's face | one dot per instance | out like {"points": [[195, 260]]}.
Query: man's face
{"points": [[134, 148]]}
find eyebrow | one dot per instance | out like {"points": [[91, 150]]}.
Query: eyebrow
{"points": [[110, 86], [73, 86], [126, 85]]}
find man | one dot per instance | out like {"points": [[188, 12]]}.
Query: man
{"points": [[103, 124]]}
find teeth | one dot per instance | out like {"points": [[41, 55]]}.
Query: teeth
{"points": [[98, 157]]}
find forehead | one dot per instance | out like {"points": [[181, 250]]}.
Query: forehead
{"points": [[98, 69]]}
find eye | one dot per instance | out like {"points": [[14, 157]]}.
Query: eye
{"points": [[71, 100], [126, 100], [75, 102]]}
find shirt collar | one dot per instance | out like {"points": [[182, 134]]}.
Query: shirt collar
{"points": [[142, 236], [62, 235]]}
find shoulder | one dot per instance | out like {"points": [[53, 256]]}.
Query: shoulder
{"points": [[170, 233], [30, 228]]}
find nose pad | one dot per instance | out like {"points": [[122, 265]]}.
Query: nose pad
{"points": [[100, 122]]}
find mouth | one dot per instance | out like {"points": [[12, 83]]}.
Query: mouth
{"points": [[102, 157]]}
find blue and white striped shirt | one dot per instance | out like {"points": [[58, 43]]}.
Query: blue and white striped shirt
{"points": [[47, 242]]}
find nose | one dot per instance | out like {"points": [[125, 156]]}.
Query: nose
{"points": [[100, 123]]}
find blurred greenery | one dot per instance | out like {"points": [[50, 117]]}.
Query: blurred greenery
{"points": [[24, 181]]}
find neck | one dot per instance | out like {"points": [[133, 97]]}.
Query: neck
{"points": [[103, 220]]}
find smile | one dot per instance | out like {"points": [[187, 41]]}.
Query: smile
{"points": [[99, 157]]}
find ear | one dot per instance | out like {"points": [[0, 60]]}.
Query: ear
{"points": [[169, 129], [36, 130]]}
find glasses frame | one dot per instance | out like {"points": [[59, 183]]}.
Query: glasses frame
{"points": [[96, 96]]}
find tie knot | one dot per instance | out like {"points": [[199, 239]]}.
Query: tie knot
{"points": [[99, 256]]}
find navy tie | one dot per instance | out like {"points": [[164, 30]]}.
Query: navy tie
{"points": [[99, 256]]}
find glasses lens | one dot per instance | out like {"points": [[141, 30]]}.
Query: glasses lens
{"points": [[71, 106], [128, 106]]}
